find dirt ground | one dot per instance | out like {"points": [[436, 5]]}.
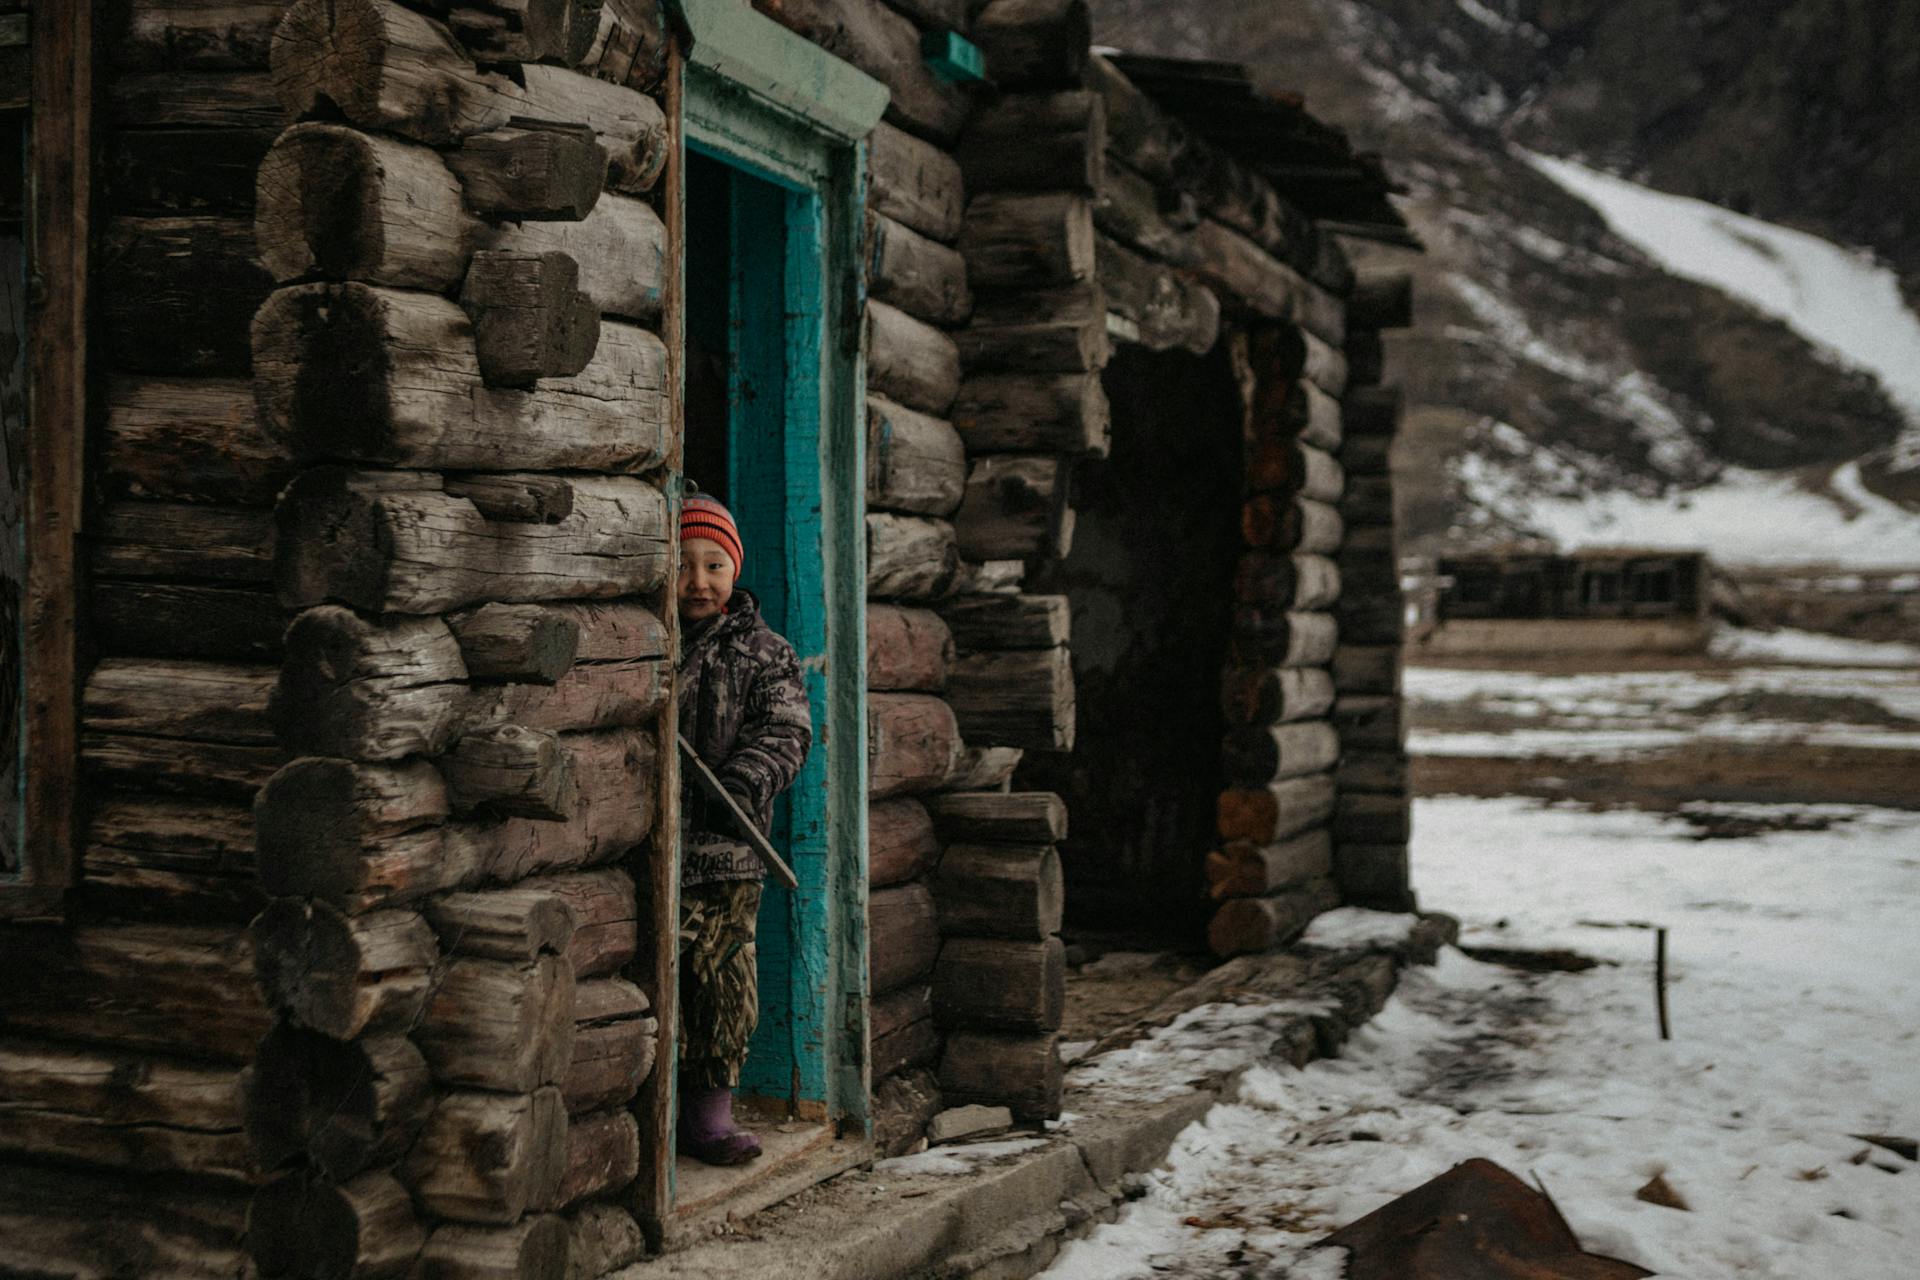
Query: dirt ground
{"points": [[1792, 766]]}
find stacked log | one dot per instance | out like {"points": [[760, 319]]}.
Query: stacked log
{"points": [[461, 355], [1373, 812], [1273, 870], [999, 988], [124, 1032]]}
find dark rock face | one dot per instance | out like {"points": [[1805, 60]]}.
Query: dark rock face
{"points": [[1549, 355]]}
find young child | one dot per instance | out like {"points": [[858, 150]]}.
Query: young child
{"points": [[743, 706]]}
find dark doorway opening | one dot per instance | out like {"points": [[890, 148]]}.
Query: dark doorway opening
{"points": [[1150, 583]]}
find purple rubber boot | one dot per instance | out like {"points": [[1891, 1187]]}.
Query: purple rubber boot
{"points": [[707, 1131]]}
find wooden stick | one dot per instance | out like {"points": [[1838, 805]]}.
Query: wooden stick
{"points": [[744, 824], [1660, 979]]}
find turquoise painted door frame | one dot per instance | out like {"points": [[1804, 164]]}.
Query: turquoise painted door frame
{"points": [[790, 118]]}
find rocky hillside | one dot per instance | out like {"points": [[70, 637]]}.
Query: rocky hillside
{"points": [[1554, 360]]}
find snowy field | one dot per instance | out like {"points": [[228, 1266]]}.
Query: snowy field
{"points": [[1794, 991]]}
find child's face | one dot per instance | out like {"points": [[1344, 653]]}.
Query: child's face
{"points": [[706, 579]]}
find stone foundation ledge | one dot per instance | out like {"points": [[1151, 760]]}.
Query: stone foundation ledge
{"points": [[1001, 1209]]}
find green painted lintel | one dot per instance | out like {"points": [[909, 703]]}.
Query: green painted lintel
{"points": [[734, 40]]}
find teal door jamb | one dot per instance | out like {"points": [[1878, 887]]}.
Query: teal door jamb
{"points": [[783, 110]]}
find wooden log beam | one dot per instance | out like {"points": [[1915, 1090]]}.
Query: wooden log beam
{"points": [[908, 650], [1001, 985], [186, 620], [1018, 241], [916, 463], [508, 1027], [161, 315], [1060, 330], [179, 540], [1312, 415], [916, 273], [603, 1155], [356, 835], [902, 1031], [630, 45], [909, 361], [1243, 869], [121, 1111], [914, 183], [999, 891], [341, 975], [1275, 695], [1375, 721], [620, 246], [529, 643], [530, 320], [524, 30], [1037, 413], [1381, 299], [1374, 668], [1014, 508], [167, 1229], [343, 1106], [1017, 698], [1276, 811], [394, 542], [190, 439], [301, 1225], [176, 725], [614, 1042], [901, 845], [1243, 926], [1166, 309], [488, 1158], [1252, 282], [909, 557], [1385, 772], [984, 769], [1030, 42], [174, 860], [174, 989], [885, 45], [427, 403], [1283, 638], [590, 695], [517, 924], [538, 1247], [177, 34], [1277, 464], [1018, 817], [368, 690], [1285, 523], [1298, 581], [606, 923], [1373, 819], [602, 1238], [1008, 621], [511, 770], [913, 743], [616, 771], [1021, 1072], [390, 69], [337, 203], [1258, 757], [1139, 131], [1037, 142], [903, 936]]}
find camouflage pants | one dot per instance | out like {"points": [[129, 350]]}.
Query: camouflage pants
{"points": [[719, 980]]}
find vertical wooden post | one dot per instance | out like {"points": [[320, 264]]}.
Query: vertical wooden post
{"points": [[58, 210], [651, 1198]]}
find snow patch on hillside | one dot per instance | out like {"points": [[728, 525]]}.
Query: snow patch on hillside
{"points": [[1839, 299], [1745, 517]]}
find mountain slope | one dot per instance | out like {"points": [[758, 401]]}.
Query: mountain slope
{"points": [[1553, 359]]}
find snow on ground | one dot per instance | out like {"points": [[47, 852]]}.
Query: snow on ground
{"points": [[1788, 645], [1609, 714], [1839, 299], [1795, 1002]]}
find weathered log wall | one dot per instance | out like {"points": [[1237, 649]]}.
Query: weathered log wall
{"points": [[461, 354]]}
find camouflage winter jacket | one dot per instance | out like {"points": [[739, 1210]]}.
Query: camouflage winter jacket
{"points": [[743, 706]]}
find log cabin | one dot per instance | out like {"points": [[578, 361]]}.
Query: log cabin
{"points": [[1615, 600], [361, 350]]}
